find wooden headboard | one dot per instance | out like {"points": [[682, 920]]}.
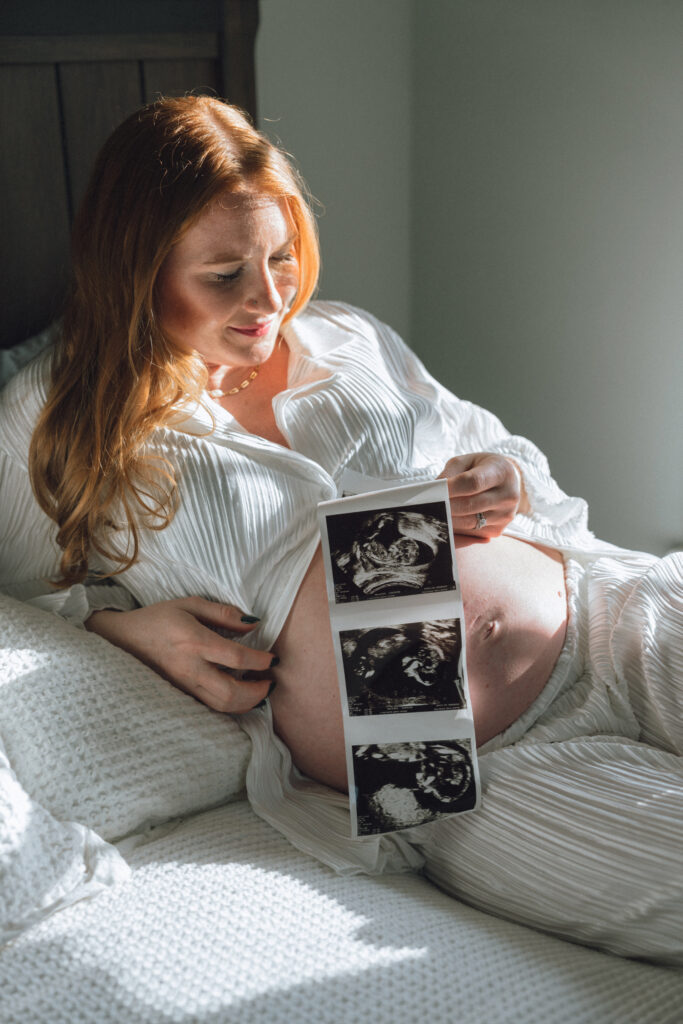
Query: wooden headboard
{"points": [[60, 96]]}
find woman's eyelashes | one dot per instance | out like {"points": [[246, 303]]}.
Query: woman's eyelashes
{"points": [[284, 258], [226, 278]]}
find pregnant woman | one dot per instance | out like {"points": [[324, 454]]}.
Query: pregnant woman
{"points": [[196, 409]]}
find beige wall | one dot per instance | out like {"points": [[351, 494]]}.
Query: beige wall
{"points": [[553, 216], [524, 229], [334, 86]]}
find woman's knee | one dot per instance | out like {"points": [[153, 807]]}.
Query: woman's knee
{"points": [[581, 839]]}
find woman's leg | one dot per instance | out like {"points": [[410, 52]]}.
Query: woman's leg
{"points": [[581, 838], [647, 652]]}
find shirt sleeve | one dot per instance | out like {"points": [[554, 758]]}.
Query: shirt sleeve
{"points": [[29, 555], [448, 426], [77, 603]]}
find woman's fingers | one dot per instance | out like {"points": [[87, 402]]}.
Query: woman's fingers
{"points": [[223, 692], [224, 675], [490, 523], [204, 643], [214, 613], [496, 506], [471, 475], [495, 502], [482, 484]]}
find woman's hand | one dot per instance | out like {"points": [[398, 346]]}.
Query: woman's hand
{"points": [[173, 638], [485, 483]]}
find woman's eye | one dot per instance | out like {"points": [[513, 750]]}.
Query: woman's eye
{"points": [[226, 278], [286, 257]]}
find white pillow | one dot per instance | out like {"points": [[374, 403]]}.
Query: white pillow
{"points": [[45, 864], [97, 737]]}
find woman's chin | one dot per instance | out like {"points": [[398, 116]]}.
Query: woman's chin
{"points": [[231, 355], [241, 351]]}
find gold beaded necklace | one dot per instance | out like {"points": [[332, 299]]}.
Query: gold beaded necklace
{"points": [[219, 393]]}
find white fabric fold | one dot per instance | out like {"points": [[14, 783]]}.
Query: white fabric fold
{"points": [[77, 603], [45, 864], [313, 817]]}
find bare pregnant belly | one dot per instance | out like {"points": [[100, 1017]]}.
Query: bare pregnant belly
{"points": [[515, 615]]}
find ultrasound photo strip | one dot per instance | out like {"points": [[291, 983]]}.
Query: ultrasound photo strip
{"points": [[398, 630]]}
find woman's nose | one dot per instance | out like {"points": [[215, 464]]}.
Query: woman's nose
{"points": [[264, 295]]}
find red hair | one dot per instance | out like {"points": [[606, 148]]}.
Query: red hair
{"points": [[115, 376]]}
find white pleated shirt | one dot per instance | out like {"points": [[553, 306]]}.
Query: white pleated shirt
{"points": [[246, 529]]}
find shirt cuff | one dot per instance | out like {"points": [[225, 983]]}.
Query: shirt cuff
{"points": [[77, 603]]}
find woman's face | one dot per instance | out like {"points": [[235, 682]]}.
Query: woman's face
{"points": [[225, 287]]}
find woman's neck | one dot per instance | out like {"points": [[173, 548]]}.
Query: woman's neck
{"points": [[252, 405]]}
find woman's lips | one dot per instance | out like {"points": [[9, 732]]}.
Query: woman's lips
{"points": [[254, 332]]}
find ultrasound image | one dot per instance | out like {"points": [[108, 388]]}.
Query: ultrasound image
{"points": [[399, 785], [415, 666], [390, 553]]}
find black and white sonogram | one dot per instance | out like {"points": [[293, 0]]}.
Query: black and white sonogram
{"points": [[391, 552], [415, 666], [399, 785]]}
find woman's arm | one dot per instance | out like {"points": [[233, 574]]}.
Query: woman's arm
{"points": [[178, 640], [174, 637], [448, 426]]}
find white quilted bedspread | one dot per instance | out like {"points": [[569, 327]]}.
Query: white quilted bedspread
{"points": [[222, 920]]}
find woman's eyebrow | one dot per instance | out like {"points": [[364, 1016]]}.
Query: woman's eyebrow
{"points": [[223, 257], [229, 257]]}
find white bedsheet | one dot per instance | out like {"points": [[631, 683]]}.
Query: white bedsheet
{"points": [[222, 920]]}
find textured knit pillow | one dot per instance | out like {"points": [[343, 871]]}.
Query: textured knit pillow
{"points": [[96, 737], [45, 864]]}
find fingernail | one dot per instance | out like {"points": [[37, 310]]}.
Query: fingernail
{"points": [[250, 618], [274, 662], [262, 703]]}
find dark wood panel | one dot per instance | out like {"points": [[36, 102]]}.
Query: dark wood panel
{"points": [[33, 205], [95, 17], [61, 95], [95, 98], [60, 49], [175, 78]]}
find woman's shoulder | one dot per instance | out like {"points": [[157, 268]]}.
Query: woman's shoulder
{"points": [[21, 401], [344, 314], [14, 358], [29, 385], [324, 325]]}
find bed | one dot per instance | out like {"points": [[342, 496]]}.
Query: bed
{"points": [[136, 883]]}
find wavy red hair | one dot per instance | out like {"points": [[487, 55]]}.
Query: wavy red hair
{"points": [[115, 377]]}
